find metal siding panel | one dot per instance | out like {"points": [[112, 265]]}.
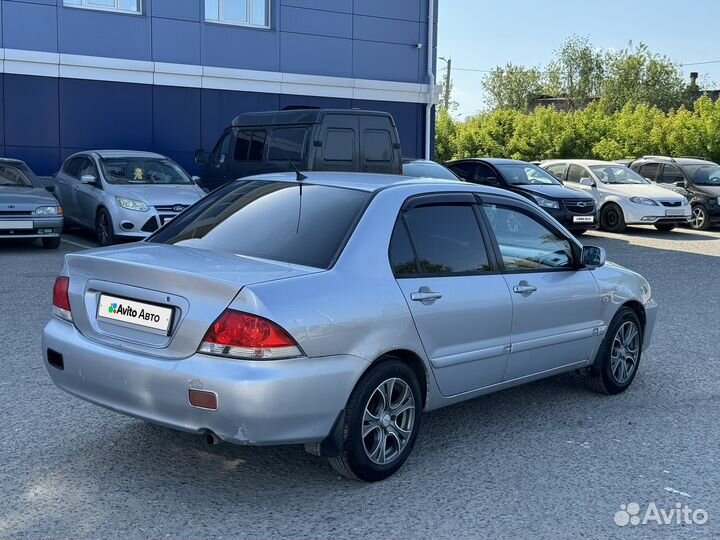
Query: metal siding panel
{"points": [[316, 55], [219, 107], [408, 10], [386, 61], [240, 47], [98, 33], [343, 6], [187, 10], [176, 119], [168, 48], [2, 108], [96, 114], [42, 160], [319, 23], [385, 30], [29, 26], [321, 102], [27, 123]]}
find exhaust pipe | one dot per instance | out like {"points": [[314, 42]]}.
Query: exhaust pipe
{"points": [[211, 439]]}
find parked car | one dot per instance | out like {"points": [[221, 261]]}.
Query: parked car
{"points": [[122, 194], [696, 179], [572, 208], [623, 197], [425, 168], [27, 210], [312, 139], [333, 311]]}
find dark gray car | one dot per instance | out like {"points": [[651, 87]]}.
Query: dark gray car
{"points": [[27, 210]]}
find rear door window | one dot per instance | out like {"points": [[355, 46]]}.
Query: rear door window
{"points": [[377, 145], [447, 240], [280, 221], [339, 144]]}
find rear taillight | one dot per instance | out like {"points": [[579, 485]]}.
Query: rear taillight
{"points": [[61, 298], [241, 335]]}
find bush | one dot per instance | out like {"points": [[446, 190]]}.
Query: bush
{"points": [[592, 132]]}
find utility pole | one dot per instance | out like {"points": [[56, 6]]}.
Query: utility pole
{"points": [[446, 97]]}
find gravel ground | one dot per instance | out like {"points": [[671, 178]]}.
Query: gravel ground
{"points": [[546, 460]]}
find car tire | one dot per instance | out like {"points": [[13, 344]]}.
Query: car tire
{"points": [[51, 243], [369, 410], [618, 358], [612, 218], [665, 227], [700, 220], [104, 228]]}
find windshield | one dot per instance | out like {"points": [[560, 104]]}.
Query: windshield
{"points": [[14, 174], [427, 169], [617, 174], [704, 175], [282, 221], [139, 170], [526, 174]]}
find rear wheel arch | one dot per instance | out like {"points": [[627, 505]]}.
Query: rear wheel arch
{"points": [[413, 361]]}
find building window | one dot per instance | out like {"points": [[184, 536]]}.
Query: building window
{"points": [[242, 12], [123, 6]]}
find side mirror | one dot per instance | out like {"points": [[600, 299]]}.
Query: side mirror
{"points": [[648, 179], [587, 182], [680, 184], [88, 179], [51, 189], [196, 179], [593, 256], [491, 181], [200, 157]]}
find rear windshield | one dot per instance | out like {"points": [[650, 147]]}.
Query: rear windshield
{"points": [[282, 221]]}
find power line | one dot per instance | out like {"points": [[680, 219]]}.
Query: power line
{"points": [[699, 63]]}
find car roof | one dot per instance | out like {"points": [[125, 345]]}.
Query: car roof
{"points": [[419, 160], [588, 162], [11, 160], [494, 161], [297, 116], [677, 160], [108, 154], [372, 183]]}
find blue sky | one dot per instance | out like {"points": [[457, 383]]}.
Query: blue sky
{"points": [[482, 34]]}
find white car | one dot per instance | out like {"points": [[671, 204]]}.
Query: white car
{"points": [[623, 196]]}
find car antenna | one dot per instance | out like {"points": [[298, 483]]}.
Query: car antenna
{"points": [[299, 177]]}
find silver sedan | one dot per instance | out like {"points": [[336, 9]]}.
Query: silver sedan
{"points": [[123, 194], [335, 310]]}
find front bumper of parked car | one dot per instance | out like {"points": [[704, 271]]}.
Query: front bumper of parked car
{"points": [[573, 220], [258, 402], [137, 225], [30, 226], [650, 215]]}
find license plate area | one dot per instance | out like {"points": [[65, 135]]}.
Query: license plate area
{"points": [[135, 314], [14, 225], [674, 213], [583, 219]]}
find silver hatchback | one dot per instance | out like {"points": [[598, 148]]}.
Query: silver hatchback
{"points": [[335, 310], [123, 194]]}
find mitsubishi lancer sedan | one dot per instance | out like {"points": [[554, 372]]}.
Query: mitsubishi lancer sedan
{"points": [[120, 194], [334, 310]]}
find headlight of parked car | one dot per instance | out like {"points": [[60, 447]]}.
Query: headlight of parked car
{"points": [[685, 202], [48, 211], [132, 204], [643, 200], [546, 203]]}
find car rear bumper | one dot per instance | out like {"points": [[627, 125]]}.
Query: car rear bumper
{"points": [[259, 402]]}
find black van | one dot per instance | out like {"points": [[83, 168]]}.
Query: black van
{"points": [[313, 139]]}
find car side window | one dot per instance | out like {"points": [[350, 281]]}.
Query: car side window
{"points": [[557, 170], [525, 242], [88, 168], [402, 254], [576, 172], [72, 168], [482, 174], [222, 149], [447, 240], [249, 145], [649, 171], [671, 174]]}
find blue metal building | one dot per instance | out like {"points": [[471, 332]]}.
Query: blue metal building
{"points": [[169, 75]]}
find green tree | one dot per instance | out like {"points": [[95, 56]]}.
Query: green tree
{"points": [[513, 87], [576, 72], [444, 136]]}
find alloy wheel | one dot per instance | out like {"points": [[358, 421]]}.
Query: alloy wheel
{"points": [[388, 421], [625, 352], [698, 218], [103, 228]]}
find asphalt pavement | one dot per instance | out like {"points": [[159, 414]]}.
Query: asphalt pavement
{"points": [[546, 460]]}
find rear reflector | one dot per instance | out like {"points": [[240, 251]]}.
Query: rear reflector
{"points": [[61, 298], [241, 335], [203, 399]]}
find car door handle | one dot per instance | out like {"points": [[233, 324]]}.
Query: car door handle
{"points": [[524, 288], [425, 295]]}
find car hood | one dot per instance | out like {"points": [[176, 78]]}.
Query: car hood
{"points": [[23, 198], [710, 190], [159, 195], [552, 192], [642, 190]]}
